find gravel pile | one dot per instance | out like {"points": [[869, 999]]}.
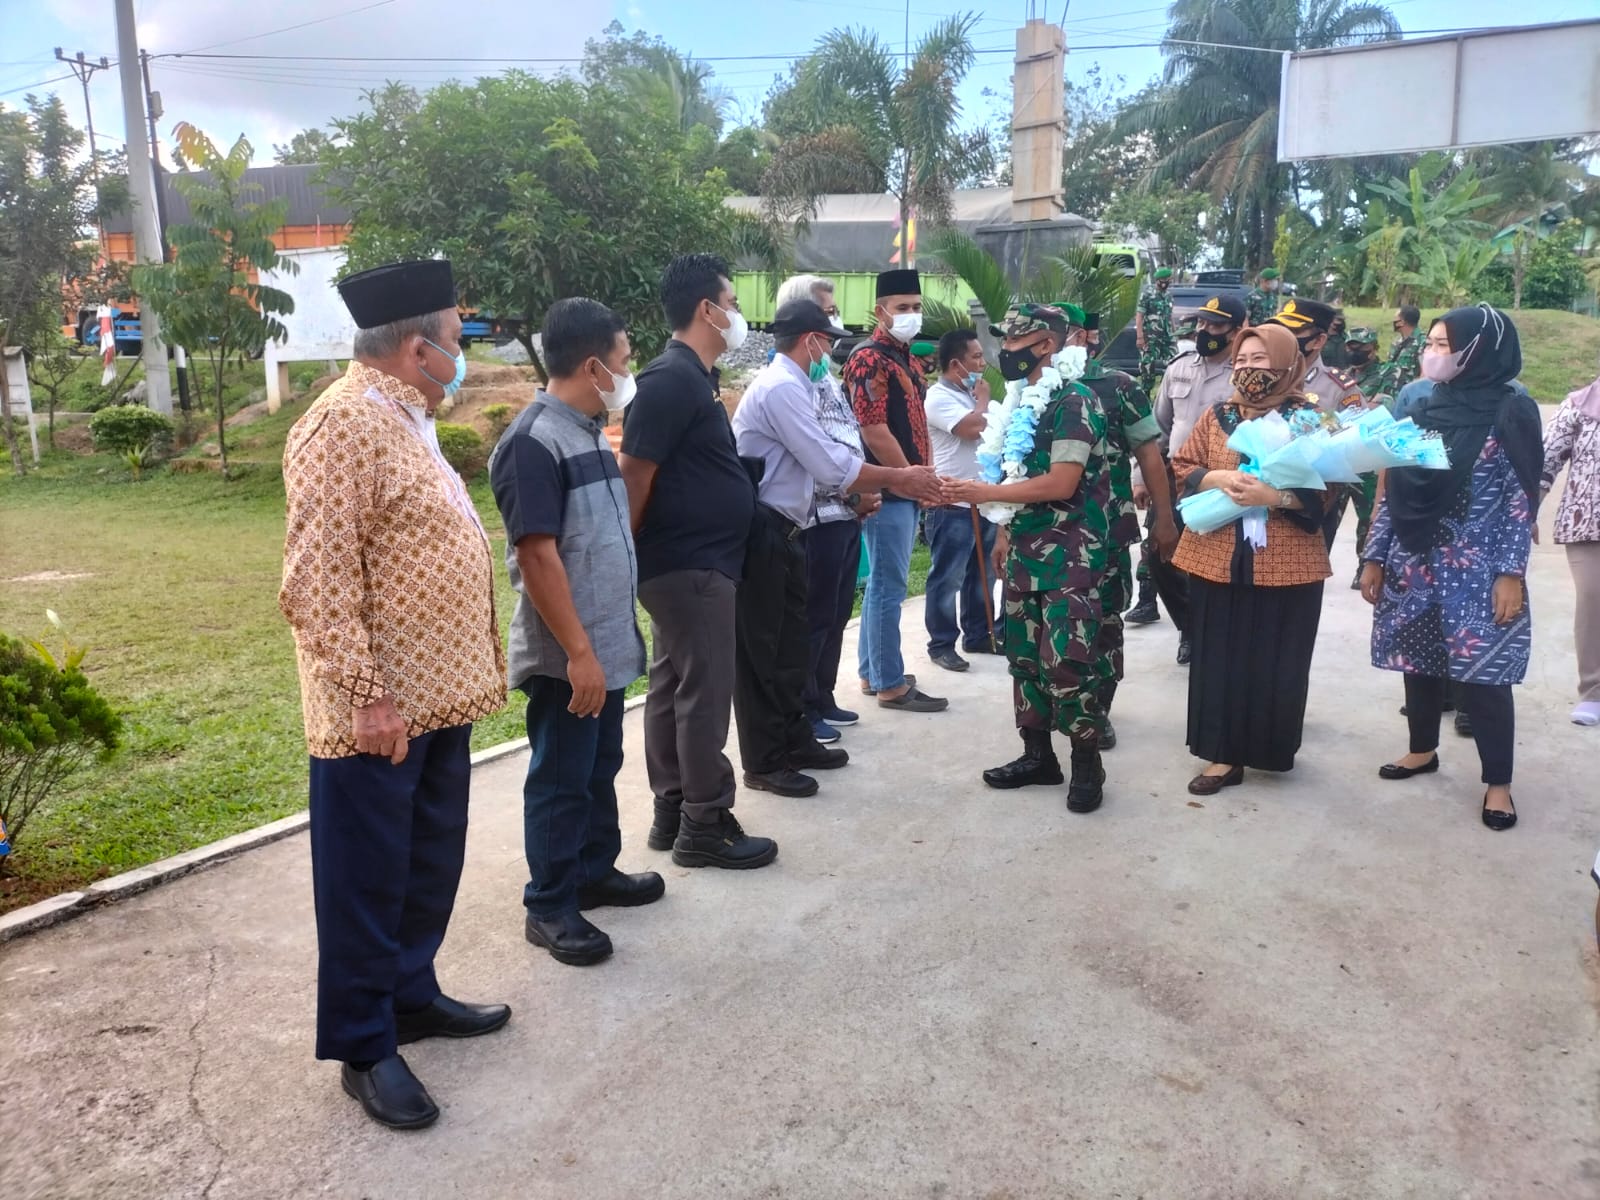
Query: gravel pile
{"points": [[512, 352], [751, 356]]}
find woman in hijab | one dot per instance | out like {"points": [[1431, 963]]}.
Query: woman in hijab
{"points": [[1253, 612], [1574, 437], [1445, 560]]}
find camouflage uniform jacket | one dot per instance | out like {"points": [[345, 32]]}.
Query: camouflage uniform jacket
{"points": [[1403, 364], [1260, 305], [1065, 544], [1370, 381], [1156, 306], [1129, 425]]}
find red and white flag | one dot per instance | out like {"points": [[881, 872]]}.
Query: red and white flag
{"points": [[108, 346]]}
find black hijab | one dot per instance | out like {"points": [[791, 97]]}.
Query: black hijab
{"points": [[1464, 411]]}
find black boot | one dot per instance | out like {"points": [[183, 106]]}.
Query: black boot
{"points": [[1085, 791], [1145, 611], [664, 830], [1108, 731], [1038, 764]]}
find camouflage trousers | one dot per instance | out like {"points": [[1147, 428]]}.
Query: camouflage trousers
{"points": [[1057, 668], [1116, 595], [1153, 360], [1366, 500]]}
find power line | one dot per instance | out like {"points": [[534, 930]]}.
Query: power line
{"points": [[350, 12], [28, 87]]}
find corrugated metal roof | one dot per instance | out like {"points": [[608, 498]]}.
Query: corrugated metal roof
{"points": [[307, 204]]}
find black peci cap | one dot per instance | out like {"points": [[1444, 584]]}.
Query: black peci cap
{"points": [[900, 282], [399, 290]]}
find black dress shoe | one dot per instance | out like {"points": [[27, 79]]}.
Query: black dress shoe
{"points": [[1210, 785], [817, 757], [449, 1018], [782, 782], [1184, 653], [391, 1094], [618, 890], [570, 939], [949, 660], [1396, 771], [1497, 820]]}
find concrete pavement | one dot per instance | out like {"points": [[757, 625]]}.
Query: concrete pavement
{"points": [[1317, 985]]}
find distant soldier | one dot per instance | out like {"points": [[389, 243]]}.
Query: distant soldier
{"points": [[1262, 302], [1153, 330], [1361, 347], [1334, 353], [1405, 353]]}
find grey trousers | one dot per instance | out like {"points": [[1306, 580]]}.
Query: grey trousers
{"points": [[1584, 559], [690, 701]]}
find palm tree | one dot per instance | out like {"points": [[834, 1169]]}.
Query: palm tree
{"points": [[1218, 106], [1537, 187], [854, 119]]}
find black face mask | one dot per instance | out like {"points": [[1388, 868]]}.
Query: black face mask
{"points": [[1358, 355], [1209, 345], [1019, 364]]}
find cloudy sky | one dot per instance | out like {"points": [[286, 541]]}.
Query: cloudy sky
{"points": [[290, 63]]}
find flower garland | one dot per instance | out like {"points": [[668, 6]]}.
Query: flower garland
{"points": [[1011, 425]]}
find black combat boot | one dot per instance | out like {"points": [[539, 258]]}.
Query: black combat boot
{"points": [[1108, 731], [1085, 791], [1038, 764], [1145, 612], [664, 830]]}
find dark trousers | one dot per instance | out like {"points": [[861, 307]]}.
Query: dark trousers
{"points": [[1494, 721], [833, 555], [1338, 502], [1172, 585], [690, 699], [569, 799], [386, 849], [773, 646], [954, 571]]}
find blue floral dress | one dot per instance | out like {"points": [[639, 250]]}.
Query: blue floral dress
{"points": [[1436, 613]]}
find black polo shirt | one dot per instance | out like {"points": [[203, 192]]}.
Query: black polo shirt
{"points": [[702, 503]]}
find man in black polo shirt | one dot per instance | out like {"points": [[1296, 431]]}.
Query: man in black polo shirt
{"points": [[691, 502]]}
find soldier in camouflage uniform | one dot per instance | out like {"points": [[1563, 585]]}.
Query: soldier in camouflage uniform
{"points": [[1361, 347], [1153, 330], [1335, 353], [1262, 302], [1056, 551], [1131, 432], [1405, 353]]}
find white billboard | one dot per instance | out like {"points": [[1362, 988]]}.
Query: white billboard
{"points": [[320, 328], [1473, 89]]}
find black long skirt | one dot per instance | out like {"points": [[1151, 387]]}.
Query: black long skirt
{"points": [[1251, 668]]}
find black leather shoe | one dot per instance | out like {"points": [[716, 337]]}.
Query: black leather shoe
{"points": [[988, 646], [1038, 764], [618, 890], [1497, 820], [817, 757], [1087, 787], [449, 1018], [391, 1094], [949, 660], [1108, 736], [664, 830], [1184, 653], [782, 782], [570, 939], [1210, 785], [721, 842], [1396, 771]]}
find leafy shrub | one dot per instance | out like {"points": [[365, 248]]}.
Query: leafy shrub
{"points": [[499, 417], [463, 448], [51, 723], [125, 427]]}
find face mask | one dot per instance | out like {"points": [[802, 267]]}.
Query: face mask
{"points": [[972, 380], [905, 326], [1018, 364], [1255, 383], [818, 370], [460, 359], [1358, 354], [621, 393], [1209, 345], [836, 322], [733, 336], [1441, 368]]}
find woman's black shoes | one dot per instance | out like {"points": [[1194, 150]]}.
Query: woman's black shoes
{"points": [[1396, 771], [1210, 785], [1497, 820]]}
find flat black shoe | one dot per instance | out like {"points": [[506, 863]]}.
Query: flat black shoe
{"points": [[618, 890], [570, 939], [1184, 653], [818, 757], [990, 646], [391, 1094], [1396, 771], [449, 1018], [782, 782], [721, 842], [664, 829], [1210, 785], [1497, 820], [949, 660]]}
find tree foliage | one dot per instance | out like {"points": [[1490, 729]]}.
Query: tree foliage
{"points": [[535, 189], [1170, 214], [209, 297], [308, 147]]}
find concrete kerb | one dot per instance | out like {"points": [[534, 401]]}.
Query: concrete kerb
{"points": [[130, 883]]}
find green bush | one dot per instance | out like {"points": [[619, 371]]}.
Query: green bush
{"points": [[51, 723], [499, 417], [463, 448], [126, 427]]}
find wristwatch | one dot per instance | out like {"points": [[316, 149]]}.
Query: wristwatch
{"points": [[853, 500]]}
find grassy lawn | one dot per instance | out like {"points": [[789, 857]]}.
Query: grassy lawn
{"points": [[172, 582]]}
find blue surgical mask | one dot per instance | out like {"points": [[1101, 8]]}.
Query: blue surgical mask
{"points": [[972, 380], [454, 386]]}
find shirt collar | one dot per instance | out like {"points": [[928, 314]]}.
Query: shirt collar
{"points": [[566, 412], [678, 346], [387, 385], [792, 367]]}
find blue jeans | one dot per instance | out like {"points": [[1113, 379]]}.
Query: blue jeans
{"points": [[569, 800], [890, 533], [955, 570]]}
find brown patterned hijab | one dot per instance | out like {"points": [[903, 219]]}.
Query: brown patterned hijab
{"points": [[1283, 352]]}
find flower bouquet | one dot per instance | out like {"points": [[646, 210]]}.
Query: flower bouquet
{"points": [[1011, 424], [1275, 451]]}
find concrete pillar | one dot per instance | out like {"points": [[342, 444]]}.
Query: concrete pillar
{"points": [[1038, 122]]}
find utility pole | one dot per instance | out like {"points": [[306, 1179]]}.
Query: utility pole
{"points": [[84, 70], [154, 110], [142, 185]]}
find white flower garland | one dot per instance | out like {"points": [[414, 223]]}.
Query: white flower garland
{"points": [[1011, 426]]}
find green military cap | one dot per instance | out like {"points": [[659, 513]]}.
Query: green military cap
{"points": [[1269, 273], [1361, 336], [1077, 316], [1164, 273], [923, 349], [1031, 318]]}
